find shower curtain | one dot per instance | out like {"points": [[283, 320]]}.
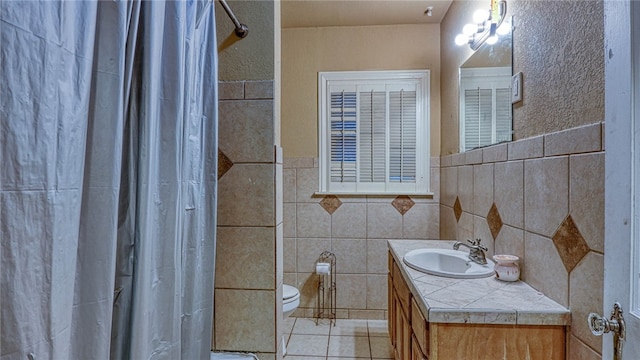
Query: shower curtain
{"points": [[108, 150]]}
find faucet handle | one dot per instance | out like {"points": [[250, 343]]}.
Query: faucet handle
{"points": [[476, 242]]}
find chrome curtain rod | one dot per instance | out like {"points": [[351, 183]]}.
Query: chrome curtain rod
{"points": [[241, 29]]}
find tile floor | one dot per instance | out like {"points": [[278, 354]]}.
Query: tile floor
{"points": [[348, 339]]}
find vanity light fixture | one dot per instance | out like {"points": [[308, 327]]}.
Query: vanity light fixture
{"points": [[486, 26]]}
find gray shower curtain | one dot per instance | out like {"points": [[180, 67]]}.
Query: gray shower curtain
{"points": [[108, 148]]}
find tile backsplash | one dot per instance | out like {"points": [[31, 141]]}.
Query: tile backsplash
{"points": [[356, 229], [541, 199]]}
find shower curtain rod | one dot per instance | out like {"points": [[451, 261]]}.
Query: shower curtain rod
{"points": [[241, 29]]}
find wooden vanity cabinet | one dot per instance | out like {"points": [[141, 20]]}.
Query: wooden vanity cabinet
{"points": [[402, 310], [412, 337]]}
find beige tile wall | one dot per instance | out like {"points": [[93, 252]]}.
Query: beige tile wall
{"points": [[357, 232], [549, 194], [249, 248]]}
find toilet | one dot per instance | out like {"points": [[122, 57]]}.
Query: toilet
{"points": [[290, 302]]}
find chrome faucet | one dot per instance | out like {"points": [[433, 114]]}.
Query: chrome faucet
{"points": [[476, 251]]}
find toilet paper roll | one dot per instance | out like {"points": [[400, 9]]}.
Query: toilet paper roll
{"points": [[323, 268]]}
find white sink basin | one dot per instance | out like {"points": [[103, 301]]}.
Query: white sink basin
{"points": [[447, 263]]}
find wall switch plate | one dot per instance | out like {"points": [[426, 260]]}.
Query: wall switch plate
{"points": [[516, 88]]}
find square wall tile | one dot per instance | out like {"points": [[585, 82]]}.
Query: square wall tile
{"points": [[482, 189], [383, 221], [579, 351], [247, 196], [481, 231], [449, 185], [262, 89], [289, 185], [586, 282], [308, 252], [377, 292], [465, 188], [586, 197], [246, 130], [349, 290], [289, 255], [351, 255], [245, 319], [544, 270], [546, 194], [448, 224], [307, 285], [312, 220], [422, 221], [349, 221], [509, 192], [465, 227], [510, 241], [231, 90], [237, 249], [279, 250], [307, 183], [300, 162], [289, 219], [377, 256], [435, 184]]}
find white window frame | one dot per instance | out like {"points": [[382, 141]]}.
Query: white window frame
{"points": [[482, 78], [419, 78]]}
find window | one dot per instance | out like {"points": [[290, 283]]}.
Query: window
{"points": [[374, 132], [485, 107]]}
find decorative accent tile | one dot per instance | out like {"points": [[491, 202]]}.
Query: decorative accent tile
{"points": [[224, 164], [570, 244], [330, 203], [494, 221], [402, 203], [457, 209]]}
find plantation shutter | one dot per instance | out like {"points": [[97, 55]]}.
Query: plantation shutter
{"points": [[374, 132], [478, 117], [343, 136], [373, 147], [402, 136], [503, 114]]}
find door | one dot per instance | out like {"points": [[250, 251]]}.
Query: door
{"points": [[622, 172]]}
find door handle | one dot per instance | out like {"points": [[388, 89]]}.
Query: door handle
{"points": [[600, 325]]}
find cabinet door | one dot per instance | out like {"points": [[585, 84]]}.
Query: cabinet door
{"points": [[416, 354], [391, 311], [406, 337], [398, 325]]}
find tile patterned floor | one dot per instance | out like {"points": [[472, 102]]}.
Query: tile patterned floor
{"points": [[348, 339]]}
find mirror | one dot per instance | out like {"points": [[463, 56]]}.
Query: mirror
{"points": [[485, 96]]}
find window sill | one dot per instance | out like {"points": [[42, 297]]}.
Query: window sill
{"points": [[428, 195]]}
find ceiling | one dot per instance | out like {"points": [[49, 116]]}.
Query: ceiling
{"points": [[321, 13]]}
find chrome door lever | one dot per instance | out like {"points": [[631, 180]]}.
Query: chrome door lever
{"points": [[600, 325]]}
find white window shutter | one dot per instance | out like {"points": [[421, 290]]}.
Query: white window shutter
{"points": [[402, 136], [343, 136], [373, 148]]}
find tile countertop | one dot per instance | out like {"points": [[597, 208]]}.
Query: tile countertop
{"points": [[475, 301]]}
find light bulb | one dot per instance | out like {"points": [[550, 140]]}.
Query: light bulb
{"points": [[470, 29], [504, 28], [462, 39], [492, 39], [481, 16]]}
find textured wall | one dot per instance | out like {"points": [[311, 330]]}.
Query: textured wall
{"points": [[251, 58], [560, 55], [306, 51]]}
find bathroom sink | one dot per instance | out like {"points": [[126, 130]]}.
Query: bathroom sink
{"points": [[447, 263]]}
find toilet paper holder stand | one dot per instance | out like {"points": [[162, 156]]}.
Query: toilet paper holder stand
{"points": [[326, 301]]}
